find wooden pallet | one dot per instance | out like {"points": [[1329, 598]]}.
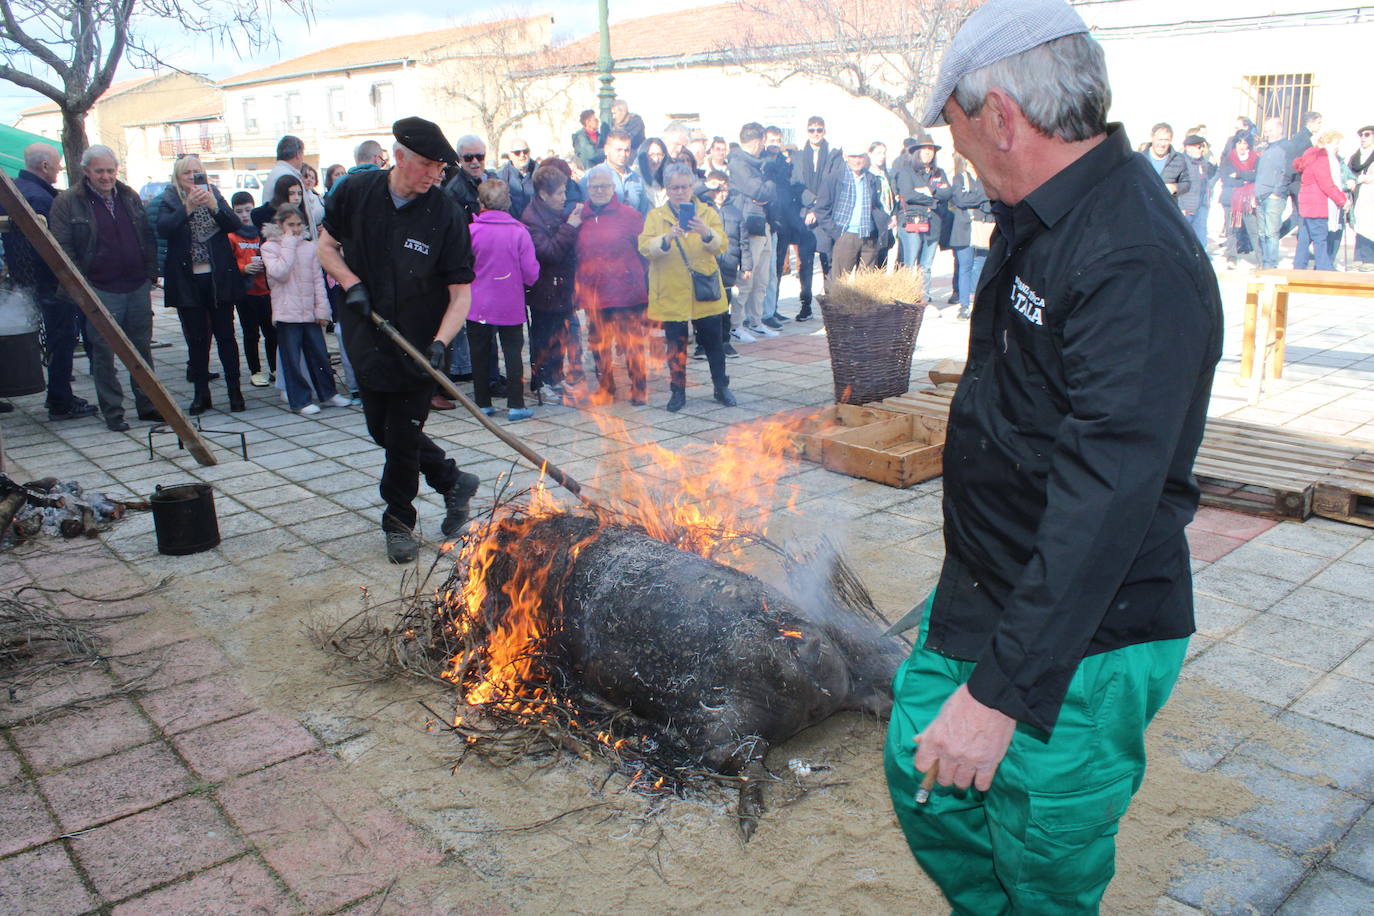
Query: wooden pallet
{"points": [[1348, 494]]}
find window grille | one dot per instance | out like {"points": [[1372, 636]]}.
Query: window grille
{"points": [[1287, 96]]}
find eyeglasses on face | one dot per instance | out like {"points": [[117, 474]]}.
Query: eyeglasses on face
{"points": [[1367, 133], [815, 130], [474, 157], [598, 186], [520, 152]]}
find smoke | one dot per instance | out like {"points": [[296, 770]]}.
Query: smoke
{"points": [[18, 313]]}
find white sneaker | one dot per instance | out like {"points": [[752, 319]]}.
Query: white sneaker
{"points": [[742, 335], [762, 330], [259, 380], [309, 410], [339, 400]]}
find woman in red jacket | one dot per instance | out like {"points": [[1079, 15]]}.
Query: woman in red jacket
{"points": [[1320, 198], [610, 283]]}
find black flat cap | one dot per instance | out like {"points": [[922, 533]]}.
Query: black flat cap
{"points": [[1195, 140], [424, 137]]}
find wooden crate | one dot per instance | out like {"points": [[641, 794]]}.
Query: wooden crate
{"points": [[817, 428], [898, 452]]}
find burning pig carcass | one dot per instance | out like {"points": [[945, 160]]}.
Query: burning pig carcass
{"points": [[675, 663]]}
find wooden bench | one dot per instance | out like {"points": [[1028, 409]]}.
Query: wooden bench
{"points": [[1267, 292]]}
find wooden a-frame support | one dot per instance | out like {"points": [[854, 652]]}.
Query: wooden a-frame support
{"points": [[27, 222]]}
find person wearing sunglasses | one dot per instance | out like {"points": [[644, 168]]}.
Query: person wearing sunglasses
{"points": [[472, 171], [1363, 206], [814, 162], [518, 174]]}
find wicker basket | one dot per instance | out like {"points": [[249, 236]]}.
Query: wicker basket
{"points": [[870, 354]]}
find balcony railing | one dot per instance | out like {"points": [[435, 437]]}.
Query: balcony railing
{"points": [[199, 145]]}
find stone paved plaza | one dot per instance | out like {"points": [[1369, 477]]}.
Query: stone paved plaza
{"points": [[195, 794]]}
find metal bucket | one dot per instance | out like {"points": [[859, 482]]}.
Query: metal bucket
{"points": [[184, 518], [21, 365]]}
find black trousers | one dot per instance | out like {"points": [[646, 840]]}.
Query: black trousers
{"points": [[59, 339], [255, 317], [624, 328], [549, 340], [806, 250], [396, 421], [482, 347], [199, 324], [708, 335]]}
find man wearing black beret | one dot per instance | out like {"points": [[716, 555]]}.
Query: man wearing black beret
{"points": [[399, 247]]}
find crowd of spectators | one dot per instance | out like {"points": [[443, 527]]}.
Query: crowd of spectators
{"points": [[1267, 183], [626, 235]]}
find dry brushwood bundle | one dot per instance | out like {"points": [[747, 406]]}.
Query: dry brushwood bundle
{"points": [[570, 632], [866, 290]]}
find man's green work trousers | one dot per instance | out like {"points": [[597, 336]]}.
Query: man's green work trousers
{"points": [[1042, 839]]}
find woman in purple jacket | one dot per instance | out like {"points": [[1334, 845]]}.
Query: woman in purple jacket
{"points": [[504, 263]]}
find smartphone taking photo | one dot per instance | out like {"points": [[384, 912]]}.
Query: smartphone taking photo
{"points": [[199, 178], [685, 214]]}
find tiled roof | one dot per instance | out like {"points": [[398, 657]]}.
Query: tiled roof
{"points": [[364, 53], [699, 30], [115, 89]]}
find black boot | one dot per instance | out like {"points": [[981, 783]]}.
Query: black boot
{"points": [[805, 313], [678, 399], [236, 404], [724, 395], [201, 402]]}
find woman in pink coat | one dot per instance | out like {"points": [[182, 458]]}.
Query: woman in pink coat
{"points": [[1321, 202], [504, 263], [300, 309]]}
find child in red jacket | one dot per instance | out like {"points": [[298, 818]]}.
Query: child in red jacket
{"points": [[255, 309]]}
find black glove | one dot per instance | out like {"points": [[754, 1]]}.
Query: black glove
{"points": [[438, 355], [358, 300]]}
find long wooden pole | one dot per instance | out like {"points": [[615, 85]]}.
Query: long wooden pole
{"points": [[557, 474], [101, 321]]}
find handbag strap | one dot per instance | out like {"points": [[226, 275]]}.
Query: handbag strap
{"points": [[683, 252]]}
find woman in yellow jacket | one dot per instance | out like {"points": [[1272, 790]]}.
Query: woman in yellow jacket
{"points": [[670, 248]]}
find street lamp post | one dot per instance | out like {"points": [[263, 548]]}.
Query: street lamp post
{"points": [[603, 66]]}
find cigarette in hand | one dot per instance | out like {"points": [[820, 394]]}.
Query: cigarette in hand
{"points": [[923, 793]]}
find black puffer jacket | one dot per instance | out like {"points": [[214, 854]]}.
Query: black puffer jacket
{"points": [[173, 224]]}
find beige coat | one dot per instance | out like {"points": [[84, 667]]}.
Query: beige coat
{"points": [[670, 285]]}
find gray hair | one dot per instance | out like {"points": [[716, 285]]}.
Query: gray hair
{"points": [[366, 151], [1061, 86], [98, 152], [602, 169], [673, 170], [37, 154], [470, 140]]}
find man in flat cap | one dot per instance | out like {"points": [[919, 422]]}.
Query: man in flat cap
{"points": [[1063, 610], [399, 246]]}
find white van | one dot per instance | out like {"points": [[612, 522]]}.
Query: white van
{"points": [[230, 181]]}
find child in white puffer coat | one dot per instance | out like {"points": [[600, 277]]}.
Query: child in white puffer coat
{"points": [[300, 310]]}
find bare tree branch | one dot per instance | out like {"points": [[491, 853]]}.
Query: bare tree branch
{"points": [[69, 50], [886, 51]]}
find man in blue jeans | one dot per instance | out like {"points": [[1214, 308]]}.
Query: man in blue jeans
{"points": [[1271, 192]]}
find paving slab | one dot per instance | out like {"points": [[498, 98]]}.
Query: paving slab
{"points": [[242, 744], [111, 787], [43, 882], [1355, 854], [191, 704], [155, 847], [1330, 892], [85, 734], [25, 818], [1294, 812], [1341, 701], [1239, 876], [243, 887]]}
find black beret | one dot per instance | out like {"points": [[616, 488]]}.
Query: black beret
{"points": [[425, 138]]}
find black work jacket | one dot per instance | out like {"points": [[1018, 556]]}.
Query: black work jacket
{"points": [[1068, 463], [407, 259]]}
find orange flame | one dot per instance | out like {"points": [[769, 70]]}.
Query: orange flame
{"points": [[701, 497]]}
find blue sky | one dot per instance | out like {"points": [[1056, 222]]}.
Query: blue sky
{"points": [[339, 21]]}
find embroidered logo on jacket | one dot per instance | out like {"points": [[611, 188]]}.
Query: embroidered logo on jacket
{"points": [[1025, 301], [417, 246]]}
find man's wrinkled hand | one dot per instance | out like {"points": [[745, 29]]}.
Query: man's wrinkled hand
{"points": [[438, 355], [359, 301], [968, 739]]}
